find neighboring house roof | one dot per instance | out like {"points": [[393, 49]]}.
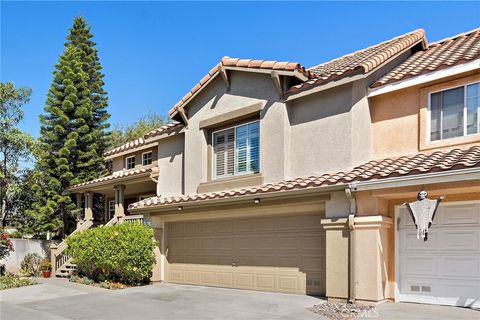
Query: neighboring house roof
{"points": [[117, 176], [373, 170], [360, 62], [438, 55], [240, 63], [144, 140]]}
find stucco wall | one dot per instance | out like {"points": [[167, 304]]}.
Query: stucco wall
{"points": [[23, 247], [400, 119], [170, 165], [118, 163], [246, 89], [330, 130]]}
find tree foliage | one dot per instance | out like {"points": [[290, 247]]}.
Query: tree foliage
{"points": [[15, 145], [73, 129], [121, 253], [123, 134]]}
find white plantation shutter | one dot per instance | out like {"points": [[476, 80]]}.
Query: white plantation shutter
{"points": [[224, 153], [236, 150]]}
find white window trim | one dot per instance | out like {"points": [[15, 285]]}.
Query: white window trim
{"points": [[126, 162], [429, 120], [214, 172], [143, 159]]}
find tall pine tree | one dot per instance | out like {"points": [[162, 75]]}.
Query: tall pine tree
{"points": [[91, 164], [73, 128], [61, 134]]}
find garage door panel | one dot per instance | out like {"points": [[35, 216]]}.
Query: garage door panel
{"points": [[446, 268], [417, 265], [409, 242], [458, 267], [270, 253], [463, 240], [464, 214]]}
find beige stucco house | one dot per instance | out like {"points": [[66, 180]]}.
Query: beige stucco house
{"points": [[279, 178]]}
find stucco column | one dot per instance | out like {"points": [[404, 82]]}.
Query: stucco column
{"points": [[373, 259], [119, 200], [337, 256], [88, 205]]}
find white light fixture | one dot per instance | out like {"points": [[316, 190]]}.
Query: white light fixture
{"points": [[256, 200], [180, 208]]}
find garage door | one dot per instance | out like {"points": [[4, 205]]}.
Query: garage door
{"points": [[279, 254], [445, 269]]}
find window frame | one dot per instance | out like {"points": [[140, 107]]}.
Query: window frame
{"points": [[126, 162], [110, 213], [151, 158], [213, 158], [465, 114]]}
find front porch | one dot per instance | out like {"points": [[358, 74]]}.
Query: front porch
{"points": [[117, 192]]}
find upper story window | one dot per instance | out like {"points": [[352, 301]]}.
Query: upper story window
{"points": [[454, 112], [147, 158], [130, 162], [236, 150]]}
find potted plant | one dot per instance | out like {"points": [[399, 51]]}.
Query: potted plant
{"points": [[46, 268]]}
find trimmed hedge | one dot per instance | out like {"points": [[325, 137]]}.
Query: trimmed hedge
{"points": [[121, 253]]}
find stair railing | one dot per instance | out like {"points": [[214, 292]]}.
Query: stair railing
{"points": [[58, 255]]}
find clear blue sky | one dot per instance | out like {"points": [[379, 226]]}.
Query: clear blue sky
{"points": [[154, 52]]}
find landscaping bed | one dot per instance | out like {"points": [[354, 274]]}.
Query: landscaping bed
{"points": [[104, 284], [14, 281], [342, 311]]}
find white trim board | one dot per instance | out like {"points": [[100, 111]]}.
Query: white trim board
{"points": [[424, 78]]}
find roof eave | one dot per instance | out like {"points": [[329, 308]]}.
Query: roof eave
{"points": [[243, 198]]}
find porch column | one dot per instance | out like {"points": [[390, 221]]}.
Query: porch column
{"points": [[119, 200], [88, 205]]}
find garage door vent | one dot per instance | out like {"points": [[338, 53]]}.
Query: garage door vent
{"points": [[414, 288], [426, 288]]}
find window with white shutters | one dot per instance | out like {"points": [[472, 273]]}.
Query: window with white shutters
{"points": [[236, 150]]}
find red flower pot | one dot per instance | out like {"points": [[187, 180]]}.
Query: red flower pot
{"points": [[46, 274]]}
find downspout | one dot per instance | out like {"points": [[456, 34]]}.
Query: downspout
{"points": [[350, 193]]}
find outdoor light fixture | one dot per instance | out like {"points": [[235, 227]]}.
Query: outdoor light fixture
{"points": [[256, 200], [423, 211], [180, 208]]}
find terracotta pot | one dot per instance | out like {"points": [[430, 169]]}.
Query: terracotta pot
{"points": [[46, 274]]}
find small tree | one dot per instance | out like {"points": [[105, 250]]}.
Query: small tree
{"points": [[15, 145]]}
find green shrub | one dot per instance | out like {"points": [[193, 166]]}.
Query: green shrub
{"points": [[120, 253], [30, 265], [13, 281]]}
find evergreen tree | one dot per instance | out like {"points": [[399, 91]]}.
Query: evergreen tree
{"points": [[63, 132], [91, 164], [73, 130]]}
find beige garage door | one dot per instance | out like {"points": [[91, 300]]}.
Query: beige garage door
{"points": [[280, 254]]}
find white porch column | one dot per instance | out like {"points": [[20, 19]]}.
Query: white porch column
{"points": [[88, 205], [119, 200]]}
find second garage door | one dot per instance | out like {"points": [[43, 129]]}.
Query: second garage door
{"points": [[279, 254]]}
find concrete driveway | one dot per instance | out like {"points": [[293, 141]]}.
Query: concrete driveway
{"points": [[58, 299]]}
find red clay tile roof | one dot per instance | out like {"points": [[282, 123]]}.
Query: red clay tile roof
{"points": [[373, 170], [438, 55], [116, 176], [360, 62], [144, 140], [241, 63]]}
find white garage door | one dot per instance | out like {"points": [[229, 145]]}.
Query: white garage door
{"points": [[280, 254], [446, 268]]}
